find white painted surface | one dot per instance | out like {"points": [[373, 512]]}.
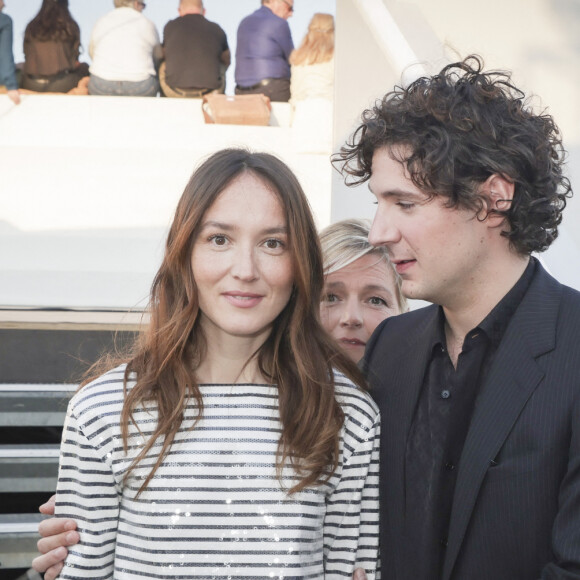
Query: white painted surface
{"points": [[543, 54], [88, 187]]}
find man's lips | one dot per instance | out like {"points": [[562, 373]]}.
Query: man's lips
{"points": [[242, 299], [402, 265]]}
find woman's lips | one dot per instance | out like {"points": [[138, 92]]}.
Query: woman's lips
{"points": [[242, 299], [352, 341]]}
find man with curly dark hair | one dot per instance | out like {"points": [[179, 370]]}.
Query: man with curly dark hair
{"points": [[480, 392]]}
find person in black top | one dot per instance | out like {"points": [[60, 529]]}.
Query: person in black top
{"points": [[480, 392], [196, 54]]}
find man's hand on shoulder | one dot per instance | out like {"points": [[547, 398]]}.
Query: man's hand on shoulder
{"points": [[56, 535], [359, 574]]}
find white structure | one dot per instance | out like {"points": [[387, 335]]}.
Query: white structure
{"points": [[381, 43], [88, 184]]}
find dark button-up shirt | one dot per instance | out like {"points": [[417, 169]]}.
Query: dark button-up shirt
{"points": [[263, 47], [194, 47], [439, 429]]}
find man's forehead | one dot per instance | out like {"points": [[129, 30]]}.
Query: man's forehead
{"points": [[388, 160], [396, 151], [389, 175]]}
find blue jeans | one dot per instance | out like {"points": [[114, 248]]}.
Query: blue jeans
{"points": [[147, 88]]}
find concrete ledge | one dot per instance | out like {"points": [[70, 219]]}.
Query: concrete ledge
{"points": [[58, 319]]}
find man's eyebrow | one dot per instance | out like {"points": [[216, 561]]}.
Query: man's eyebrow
{"points": [[400, 193]]}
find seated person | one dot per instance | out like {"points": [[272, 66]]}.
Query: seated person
{"points": [[196, 54], [312, 64], [312, 86], [52, 42], [263, 48], [125, 49], [7, 73]]}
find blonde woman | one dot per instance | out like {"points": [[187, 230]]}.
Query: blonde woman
{"points": [[312, 85], [361, 287]]}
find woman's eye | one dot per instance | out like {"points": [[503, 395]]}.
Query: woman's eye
{"points": [[274, 244], [218, 240], [330, 297], [377, 301]]}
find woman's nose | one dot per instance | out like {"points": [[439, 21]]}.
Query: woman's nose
{"points": [[244, 264], [351, 315]]}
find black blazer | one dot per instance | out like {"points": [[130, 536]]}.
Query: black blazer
{"points": [[516, 509]]}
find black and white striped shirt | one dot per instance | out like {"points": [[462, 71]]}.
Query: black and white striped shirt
{"points": [[215, 507]]}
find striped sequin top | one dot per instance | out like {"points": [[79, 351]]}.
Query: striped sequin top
{"points": [[215, 507]]}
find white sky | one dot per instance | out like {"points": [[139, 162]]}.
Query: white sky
{"points": [[227, 13]]}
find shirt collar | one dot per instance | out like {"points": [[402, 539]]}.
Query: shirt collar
{"points": [[496, 322]]}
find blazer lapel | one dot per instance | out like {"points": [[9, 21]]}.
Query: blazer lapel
{"points": [[402, 384], [514, 376]]}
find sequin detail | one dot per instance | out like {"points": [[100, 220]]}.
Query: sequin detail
{"points": [[215, 508]]}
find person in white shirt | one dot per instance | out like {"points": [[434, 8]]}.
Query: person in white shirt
{"points": [[235, 440], [125, 52], [312, 86]]}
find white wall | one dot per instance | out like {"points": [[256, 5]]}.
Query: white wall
{"points": [[537, 39], [88, 186]]}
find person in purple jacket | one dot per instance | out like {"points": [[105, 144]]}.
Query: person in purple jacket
{"points": [[263, 48]]}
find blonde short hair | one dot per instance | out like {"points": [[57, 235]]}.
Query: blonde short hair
{"points": [[346, 241]]}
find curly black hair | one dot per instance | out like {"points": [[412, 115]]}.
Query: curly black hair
{"points": [[458, 128]]}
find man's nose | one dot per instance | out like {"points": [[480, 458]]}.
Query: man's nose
{"points": [[384, 230]]}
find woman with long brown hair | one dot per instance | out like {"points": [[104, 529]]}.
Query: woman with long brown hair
{"points": [[52, 44], [233, 442]]}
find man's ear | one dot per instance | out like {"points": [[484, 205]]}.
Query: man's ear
{"points": [[499, 194]]}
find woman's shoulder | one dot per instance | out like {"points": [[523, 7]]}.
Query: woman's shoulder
{"points": [[354, 401], [104, 392]]}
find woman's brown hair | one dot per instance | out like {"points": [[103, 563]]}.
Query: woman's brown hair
{"points": [[53, 22], [318, 44], [298, 356]]}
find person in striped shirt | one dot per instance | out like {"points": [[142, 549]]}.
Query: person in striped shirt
{"points": [[235, 440]]}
